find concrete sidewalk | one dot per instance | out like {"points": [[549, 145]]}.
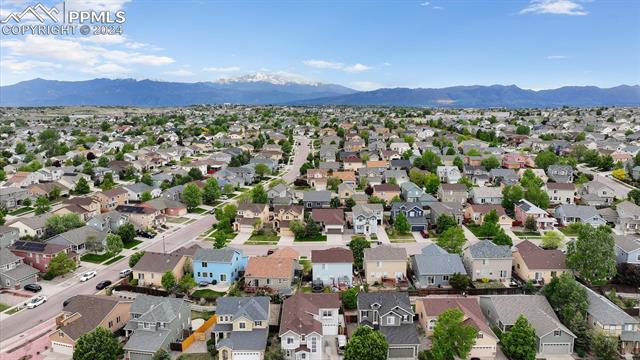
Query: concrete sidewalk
{"points": [[29, 343]]}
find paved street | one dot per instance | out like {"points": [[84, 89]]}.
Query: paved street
{"points": [[300, 157]]}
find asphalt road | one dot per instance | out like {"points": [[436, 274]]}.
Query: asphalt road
{"points": [[26, 319]]}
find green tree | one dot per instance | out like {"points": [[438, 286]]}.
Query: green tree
{"points": [[54, 193], [192, 196], [262, 170], [530, 224], [220, 240], [552, 240], [401, 224], [61, 264], [490, 163], [592, 256], [99, 344], [333, 183], [529, 179], [520, 341], [444, 222], [357, 246], [43, 205], [566, 296], [57, 224], [103, 161], [211, 191], [135, 257], [107, 182], [366, 344], [195, 174], [580, 328], [431, 183], [146, 179], [546, 158], [161, 354], [457, 162], [501, 238], [127, 232], [21, 148], [350, 298], [259, 195], [429, 161], [604, 346], [187, 283], [168, 281], [114, 244], [523, 130], [510, 195], [537, 197], [634, 196], [452, 240], [452, 338], [459, 281], [82, 186], [298, 229], [146, 196]]}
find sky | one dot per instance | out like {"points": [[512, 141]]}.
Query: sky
{"points": [[534, 44]]}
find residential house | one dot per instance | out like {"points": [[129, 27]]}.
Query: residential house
{"points": [[39, 254], [346, 191], [448, 174], [109, 221], [222, 265], [411, 192], [561, 193], [454, 193], [166, 206], [33, 226], [525, 209], [531, 262], [155, 323], [504, 176], [445, 208], [307, 321], [604, 315], [386, 192], [384, 264], [434, 266], [332, 267], [585, 214], [242, 327], [142, 217], [138, 189], [560, 173], [14, 273], [45, 189], [475, 213], [391, 314], [281, 194], [317, 178], [316, 199], [8, 236], [628, 217], [486, 342], [273, 272], [414, 213], [12, 197], [486, 195], [85, 207], [597, 194], [152, 265], [553, 338], [111, 199], [331, 220], [513, 161], [250, 215], [627, 248], [22, 179], [399, 176], [77, 238], [83, 314], [366, 218], [283, 215], [486, 260]]}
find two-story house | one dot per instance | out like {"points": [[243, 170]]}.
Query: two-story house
{"points": [[391, 314], [384, 264], [627, 248], [332, 267], [110, 199], [242, 327], [34, 226], [12, 197], [434, 266], [411, 192], [316, 199], [486, 195], [283, 215], [386, 192], [455, 193], [39, 254], [628, 217], [525, 209], [366, 218], [486, 260], [222, 265], [250, 215], [281, 194], [307, 322], [414, 213], [597, 194], [155, 323], [14, 273], [560, 173], [448, 174], [531, 262], [561, 193]]}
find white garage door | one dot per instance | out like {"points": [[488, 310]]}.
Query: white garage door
{"points": [[556, 348], [246, 355], [61, 348]]}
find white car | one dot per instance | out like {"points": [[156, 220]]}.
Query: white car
{"points": [[36, 301], [88, 275]]}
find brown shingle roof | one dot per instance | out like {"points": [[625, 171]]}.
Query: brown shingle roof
{"points": [[561, 186], [92, 310], [269, 267], [469, 306], [298, 312], [333, 255], [328, 216], [540, 259], [386, 187]]}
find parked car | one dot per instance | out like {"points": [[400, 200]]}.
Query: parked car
{"points": [[67, 302], [125, 273], [341, 342], [37, 301], [88, 275], [33, 287], [103, 284], [145, 234]]}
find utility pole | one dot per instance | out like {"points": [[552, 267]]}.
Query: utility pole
{"points": [[164, 249]]}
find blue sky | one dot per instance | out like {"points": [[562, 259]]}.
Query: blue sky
{"points": [[536, 44]]}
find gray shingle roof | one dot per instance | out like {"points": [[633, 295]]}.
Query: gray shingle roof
{"points": [[606, 312], [385, 253], [317, 196], [254, 340], [434, 261], [215, 255], [386, 300], [488, 250], [253, 308]]}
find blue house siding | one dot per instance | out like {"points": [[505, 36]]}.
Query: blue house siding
{"points": [[330, 273], [204, 271]]}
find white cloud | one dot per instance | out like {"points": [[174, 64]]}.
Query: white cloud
{"points": [[222, 69], [366, 85], [21, 66], [557, 57], [180, 72], [108, 69], [426, 3], [104, 39], [557, 7], [97, 5], [324, 64]]}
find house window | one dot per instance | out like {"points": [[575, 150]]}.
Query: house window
{"points": [[484, 261], [258, 323], [445, 277], [390, 320], [110, 324], [314, 345], [223, 277], [327, 313], [242, 325], [379, 264], [432, 324], [303, 338], [289, 340], [480, 335], [503, 273], [557, 333], [324, 266]]}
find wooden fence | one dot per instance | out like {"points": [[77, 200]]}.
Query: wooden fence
{"points": [[199, 334]]}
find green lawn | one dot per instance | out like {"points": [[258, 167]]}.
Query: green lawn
{"points": [[268, 237], [527, 233], [195, 356], [21, 211], [197, 210], [316, 238], [95, 258], [207, 293], [201, 315], [488, 285], [4, 307], [114, 259], [13, 311], [132, 244], [306, 265]]}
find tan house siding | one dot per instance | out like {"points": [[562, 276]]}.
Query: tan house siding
{"points": [[375, 270], [521, 269]]}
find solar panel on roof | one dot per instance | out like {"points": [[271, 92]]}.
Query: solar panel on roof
{"points": [[30, 246]]}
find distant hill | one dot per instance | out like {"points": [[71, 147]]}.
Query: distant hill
{"points": [[489, 96], [253, 89], [262, 88]]}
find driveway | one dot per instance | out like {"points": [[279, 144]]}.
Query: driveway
{"points": [[382, 235], [241, 238], [331, 348], [286, 240], [335, 239], [419, 239]]}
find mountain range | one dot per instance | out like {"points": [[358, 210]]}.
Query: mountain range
{"points": [[264, 88]]}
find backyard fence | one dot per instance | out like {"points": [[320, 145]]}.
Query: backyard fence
{"points": [[199, 334]]}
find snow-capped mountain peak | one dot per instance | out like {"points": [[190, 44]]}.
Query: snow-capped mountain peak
{"points": [[279, 78]]}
